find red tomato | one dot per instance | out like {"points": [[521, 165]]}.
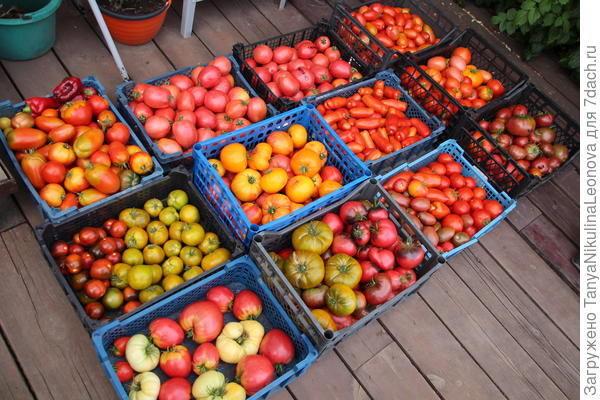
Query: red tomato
{"points": [[119, 345], [322, 43], [457, 181], [476, 204], [254, 372], [78, 112], [262, 54], [203, 320], [107, 245], [185, 133], [222, 296], [493, 207], [205, 357], [461, 207], [124, 371], [118, 229], [98, 104], [277, 346], [465, 194], [181, 81], [478, 193], [95, 310], [453, 221], [165, 333], [481, 218], [101, 269], [175, 389], [246, 305], [215, 101], [156, 96], [176, 362], [53, 172], [452, 167], [331, 173]]}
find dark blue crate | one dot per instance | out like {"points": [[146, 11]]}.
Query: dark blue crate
{"points": [[414, 110], [168, 161], [227, 206], [451, 147], [238, 275], [56, 215]]}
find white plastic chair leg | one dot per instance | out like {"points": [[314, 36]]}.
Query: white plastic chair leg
{"points": [[187, 17], [281, 4], [109, 40]]}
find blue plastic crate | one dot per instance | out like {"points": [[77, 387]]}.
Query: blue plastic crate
{"points": [[56, 215], [451, 147], [124, 90], [238, 275], [228, 207], [414, 110]]}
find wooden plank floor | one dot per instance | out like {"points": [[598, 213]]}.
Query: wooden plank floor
{"points": [[499, 321]]}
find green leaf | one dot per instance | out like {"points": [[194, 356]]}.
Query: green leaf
{"points": [[521, 17], [510, 14], [549, 19], [532, 16], [545, 6], [528, 5], [558, 21], [563, 2], [510, 28], [498, 19]]}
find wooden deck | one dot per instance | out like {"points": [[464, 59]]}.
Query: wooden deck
{"points": [[500, 321]]}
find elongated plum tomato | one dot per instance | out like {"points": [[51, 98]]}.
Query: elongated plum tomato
{"points": [[166, 333], [222, 296]]}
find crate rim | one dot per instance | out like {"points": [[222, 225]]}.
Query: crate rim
{"points": [[310, 358]]}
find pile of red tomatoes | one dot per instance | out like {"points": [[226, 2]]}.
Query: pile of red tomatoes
{"points": [[190, 109], [309, 68]]}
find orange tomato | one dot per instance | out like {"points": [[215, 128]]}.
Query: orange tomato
{"points": [[259, 157], [273, 180], [132, 149], [485, 93], [32, 165], [275, 206], [218, 166], [48, 123], [253, 212], [318, 148], [328, 187], [306, 162], [317, 180], [281, 142], [103, 179], [462, 52], [246, 185], [89, 141], [234, 158], [299, 188], [485, 75], [106, 119], [53, 194], [50, 112], [89, 196], [476, 77], [295, 206], [298, 134], [141, 163], [62, 152], [69, 201], [63, 133], [75, 180]]}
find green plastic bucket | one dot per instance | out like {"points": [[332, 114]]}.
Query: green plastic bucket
{"points": [[27, 38]]}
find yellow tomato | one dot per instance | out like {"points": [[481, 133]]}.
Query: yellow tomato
{"points": [[299, 188], [156, 273], [259, 158], [157, 232], [191, 256], [274, 180], [328, 187], [318, 148], [133, 256], [217, 165], [171, 281], [246, 185], [177, 199], [150, 293], [476, 77], [172, 266], [136, 237], [192, 272], [298, 134], [189, 213], [210, 243], [153, 254], [153, 207], [168, 215], [175, 230], [215, 258], [234, 158], [317, 180], [192, 234], [139, 277], [172, 248]]}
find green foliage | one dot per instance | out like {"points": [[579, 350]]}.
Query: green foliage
{"points": [[541, 25]]}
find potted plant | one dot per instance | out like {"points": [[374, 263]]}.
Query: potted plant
{"points": [[134, 22], [27, 28]]}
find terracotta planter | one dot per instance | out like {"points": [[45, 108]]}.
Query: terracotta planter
{"points": [[135, 29]]}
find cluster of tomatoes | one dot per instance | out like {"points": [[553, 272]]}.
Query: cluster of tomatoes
{"points": [[470, 86], [187, 110], [131, 260], [257, 354], [530, 140], [349, 262], [309, 68], [372, 121], [448, 207], [285, 163], [77, 154], [395, 27]]}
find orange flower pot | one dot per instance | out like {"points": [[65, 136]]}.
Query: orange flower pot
{"points": [[135, 29]]}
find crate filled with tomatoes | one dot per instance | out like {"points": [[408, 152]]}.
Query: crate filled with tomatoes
{"points": [[72, 149], [268, 175], [345, 265], [449, 199], [398, 26], [174, 111], [137, 249], [379, 121], [288, 68], [469, 70], [529, 137], [225, 337]]}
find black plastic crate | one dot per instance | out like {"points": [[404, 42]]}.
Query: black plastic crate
{"points": [[484, 56], [361, 56], [567, 132], [49, 233], [506, 176], [427, 92], [288, 296], [443, 28]]}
